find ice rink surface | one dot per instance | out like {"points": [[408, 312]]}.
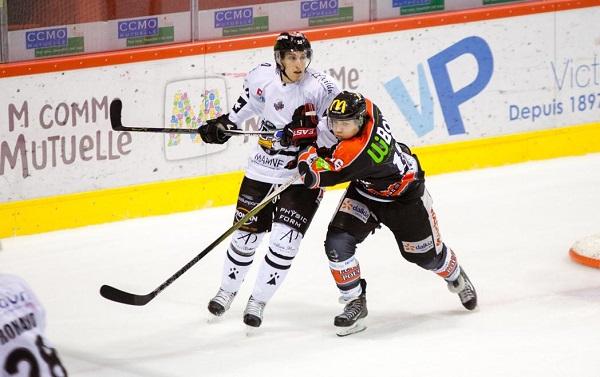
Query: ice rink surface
{"points": [[511, 227]]}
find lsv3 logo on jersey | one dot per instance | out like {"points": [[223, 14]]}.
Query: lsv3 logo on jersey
{"points": [[443, 68], [305, 132]]}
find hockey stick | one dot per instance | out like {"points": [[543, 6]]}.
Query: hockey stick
{"points": [[117, 295], [116, 106]]}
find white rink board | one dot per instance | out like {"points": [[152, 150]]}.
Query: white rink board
{"points": [[530, 63]]}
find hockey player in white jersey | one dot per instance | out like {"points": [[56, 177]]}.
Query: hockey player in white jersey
{"points": [[290, 100], [24, 350]]}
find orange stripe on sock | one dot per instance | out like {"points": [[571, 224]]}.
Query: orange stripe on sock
{"points": [[452, 264], [349, 275]]}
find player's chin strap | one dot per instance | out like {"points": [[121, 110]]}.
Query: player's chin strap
{"points": [[281, 74]]}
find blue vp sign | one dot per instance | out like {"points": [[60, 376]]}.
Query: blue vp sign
{"points": [[450, 98]]}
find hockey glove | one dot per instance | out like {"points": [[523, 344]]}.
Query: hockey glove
{"points": [[322, 152], [302, 130], [213, 131], [306, 161]]}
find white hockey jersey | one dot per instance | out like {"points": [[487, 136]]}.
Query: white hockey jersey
{"points": [[24, 351], [273, 101]]}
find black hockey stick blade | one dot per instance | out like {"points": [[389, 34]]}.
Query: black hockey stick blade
{"points": [[115, 114], [116, 107], [117, 295]]}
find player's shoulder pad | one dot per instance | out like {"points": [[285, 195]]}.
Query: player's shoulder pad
{"points": [[324, 80], [262, 73]]}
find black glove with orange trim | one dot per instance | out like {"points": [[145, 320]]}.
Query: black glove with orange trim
{"points": [[306, 158]]}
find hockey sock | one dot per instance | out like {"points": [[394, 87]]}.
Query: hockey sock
{"points": [[283, 247], [270, 276], [449, 270], [238, 259], [347, 278]]}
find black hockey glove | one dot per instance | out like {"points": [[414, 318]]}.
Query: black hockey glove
{"points": [[213, 131], [302, 130]]}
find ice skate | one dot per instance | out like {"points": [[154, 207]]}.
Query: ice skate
{"points": [[465, 290], [352, 319], [219, 304], [253, 313]]}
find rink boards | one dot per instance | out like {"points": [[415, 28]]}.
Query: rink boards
{"points": [[467, 89]]}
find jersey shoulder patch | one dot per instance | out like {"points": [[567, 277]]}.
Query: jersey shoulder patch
{"points": [[262, 73]]}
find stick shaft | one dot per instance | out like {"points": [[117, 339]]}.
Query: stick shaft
{"points": [[117, 295], [116, 106]]}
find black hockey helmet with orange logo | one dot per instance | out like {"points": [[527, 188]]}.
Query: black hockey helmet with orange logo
{"points": [[348, 106], [291, 41]]}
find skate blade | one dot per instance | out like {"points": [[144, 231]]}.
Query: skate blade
{"points": [[214, 319], [356, 328], [251, 331]]}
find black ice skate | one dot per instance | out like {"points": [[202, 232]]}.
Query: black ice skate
{"points": [[221, 302], [465, 290], [351, 320], [254, 312]]}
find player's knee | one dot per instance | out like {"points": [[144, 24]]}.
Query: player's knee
{"points": [[339, 245], [245, 243], [285, 240], [428, 259]]}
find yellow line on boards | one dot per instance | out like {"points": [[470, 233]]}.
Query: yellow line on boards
{"points": [[75, 210]]}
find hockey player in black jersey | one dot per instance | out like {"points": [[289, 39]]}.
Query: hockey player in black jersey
{"points": [[387, 186]]}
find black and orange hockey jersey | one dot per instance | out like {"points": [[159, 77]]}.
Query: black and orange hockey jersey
{"points": [[380, 167]]}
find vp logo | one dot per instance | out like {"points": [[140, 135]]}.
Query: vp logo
{"points": [[450, 98]]}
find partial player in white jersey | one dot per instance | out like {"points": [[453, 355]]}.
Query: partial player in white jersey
{"points": [[24, 350], [290, 100]]}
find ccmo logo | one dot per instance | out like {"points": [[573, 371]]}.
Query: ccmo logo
{"points": [[234, 17], [138, 28], [46, 38], [318, 8]]}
